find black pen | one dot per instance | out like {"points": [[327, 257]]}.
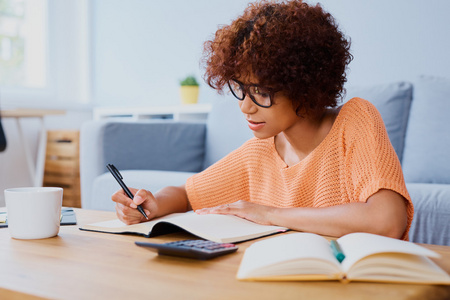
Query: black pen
{"points": [[119, 178]]}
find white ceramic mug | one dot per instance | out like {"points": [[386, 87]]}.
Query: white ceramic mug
{"points": [[33, 212]]}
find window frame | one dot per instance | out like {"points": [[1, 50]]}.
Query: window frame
{"points": [[68, 56]]}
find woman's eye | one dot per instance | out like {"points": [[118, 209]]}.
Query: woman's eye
{"points": [[261, 92]]}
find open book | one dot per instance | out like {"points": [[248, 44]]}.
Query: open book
{"points": [[213, 227], [368, 257]]}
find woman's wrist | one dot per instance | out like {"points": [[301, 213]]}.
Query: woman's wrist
{"points": [[275, 216], [171, 199]]}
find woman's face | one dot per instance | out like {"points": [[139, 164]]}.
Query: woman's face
{"points": [[270, 121]]}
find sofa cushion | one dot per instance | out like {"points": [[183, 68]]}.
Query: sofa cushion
{"points": [[176, 145], [226, 130], [105, 185], [427, 141], [430, 224], [393, 101]]}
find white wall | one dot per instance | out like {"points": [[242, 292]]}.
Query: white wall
{"points": [[142, 48], [395, 39], [139, 50]]}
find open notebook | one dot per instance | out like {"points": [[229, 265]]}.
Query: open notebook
{"points": [[368, 257], [213, 227]]}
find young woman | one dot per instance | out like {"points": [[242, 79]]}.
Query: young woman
{"points": [[312, 166]]}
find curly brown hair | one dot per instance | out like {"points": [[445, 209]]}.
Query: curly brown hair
{"points": [[289, 46]]}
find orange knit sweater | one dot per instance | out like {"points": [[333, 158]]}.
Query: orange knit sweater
{"points": [[354, 161]]}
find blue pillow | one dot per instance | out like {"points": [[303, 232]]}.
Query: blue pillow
{"points": [[159, 145], [427, 145], [393, 102]]}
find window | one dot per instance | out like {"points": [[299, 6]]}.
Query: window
{"points": [[23, 43]]}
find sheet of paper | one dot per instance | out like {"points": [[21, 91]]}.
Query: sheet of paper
{"points": [[359, 245]]}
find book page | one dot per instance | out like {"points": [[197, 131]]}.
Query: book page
{"points": [[290, 254], [117, 226], [218, 228], [356, 246], [398, 267], [223, 228]]}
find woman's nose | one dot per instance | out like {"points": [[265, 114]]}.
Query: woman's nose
{"points": [[247, 105]]}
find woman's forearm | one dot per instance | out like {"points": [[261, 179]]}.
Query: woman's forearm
{"points": [[384, 213], [172, 199]]}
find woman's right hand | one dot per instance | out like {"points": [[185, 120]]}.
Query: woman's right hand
{"points": [[126, 208]]}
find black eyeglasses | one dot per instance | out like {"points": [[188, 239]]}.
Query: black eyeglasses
{"points": [[260, 96]]}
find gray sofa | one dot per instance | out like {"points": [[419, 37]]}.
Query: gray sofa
{"points": [[156, 153]]}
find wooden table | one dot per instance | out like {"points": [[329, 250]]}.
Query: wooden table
{"points": [[88, 265], [35, 169]]}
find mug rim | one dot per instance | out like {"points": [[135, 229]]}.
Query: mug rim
{"points": [[36, 189]]}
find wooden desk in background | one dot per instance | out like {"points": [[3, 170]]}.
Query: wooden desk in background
{"points": [[88, 265], [35, 169]]}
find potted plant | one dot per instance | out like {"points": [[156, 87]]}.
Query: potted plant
{"points": [[189, 90]]}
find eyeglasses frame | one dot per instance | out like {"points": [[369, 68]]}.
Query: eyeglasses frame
{"points": [[245, 88]]}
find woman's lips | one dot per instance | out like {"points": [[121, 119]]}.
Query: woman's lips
{"points": [[255, 125]]}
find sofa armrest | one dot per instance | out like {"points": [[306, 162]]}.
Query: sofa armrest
{"points": [[430, 224], [145, 145], [91, 156]]}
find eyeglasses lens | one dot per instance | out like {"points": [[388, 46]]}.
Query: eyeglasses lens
{"points": [[261, 96], [236, 89]]}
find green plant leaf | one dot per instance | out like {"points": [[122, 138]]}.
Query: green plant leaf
{"points": [[189, 80]]}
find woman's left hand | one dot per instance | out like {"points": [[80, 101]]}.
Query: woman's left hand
{"points": [[253, 212]]}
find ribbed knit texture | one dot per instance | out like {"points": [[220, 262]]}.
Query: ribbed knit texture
{"points": [[354, 161]]}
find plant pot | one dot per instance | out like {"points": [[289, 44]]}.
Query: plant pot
{"points": [[189, 94]]}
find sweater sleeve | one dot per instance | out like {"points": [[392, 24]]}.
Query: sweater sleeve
{"points": [[372, 163], [226, 181]]}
